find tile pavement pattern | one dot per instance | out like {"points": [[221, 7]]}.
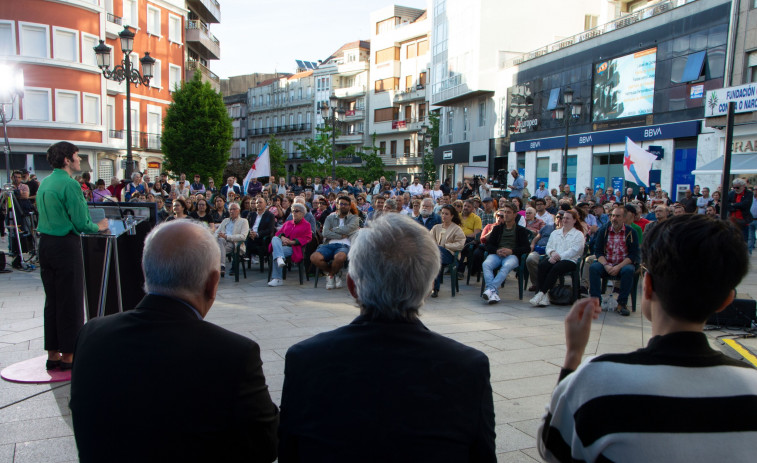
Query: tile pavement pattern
{"points": [[525, 346]]}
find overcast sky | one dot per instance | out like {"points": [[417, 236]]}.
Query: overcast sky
{"points": [[268, 35]]}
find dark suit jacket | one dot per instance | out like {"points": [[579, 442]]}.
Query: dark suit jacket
{"points": [[745, 205], [522, 243], [386, 392], [432, 220], [267, 226], [159, 384]]}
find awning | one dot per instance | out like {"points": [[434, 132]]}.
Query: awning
{"points": [[740, 164]]}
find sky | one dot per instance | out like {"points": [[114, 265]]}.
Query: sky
{"points": [[268, 35]]}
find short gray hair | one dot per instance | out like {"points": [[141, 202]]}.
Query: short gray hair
{"points": [[178, 258], [299, 207], [393, 284], [391, 203], [135, 175], [428, 201], [739, 182]]}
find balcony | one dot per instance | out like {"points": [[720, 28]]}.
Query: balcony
{"points": [[113, 25], [353, 115], [408, 125], [350, 138], [148, 141], [114, 88], [418, 93], [402, 159], [349, 92], [209, 10], [207, 74], [199, 37]]}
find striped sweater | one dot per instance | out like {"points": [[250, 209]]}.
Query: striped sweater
{"points": [[677, 400]]}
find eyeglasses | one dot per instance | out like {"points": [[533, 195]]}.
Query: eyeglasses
{"points": [[297, 212], [500, 216]]}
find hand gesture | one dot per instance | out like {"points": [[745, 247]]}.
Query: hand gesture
{"points": [[578, 328]]}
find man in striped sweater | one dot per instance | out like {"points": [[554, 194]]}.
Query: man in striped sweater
{"points": [[676, 400]]}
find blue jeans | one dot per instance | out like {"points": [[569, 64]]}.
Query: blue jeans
{"points": [[447, 258], [751, 229], [504, 264], [279, 250], [597, 272]]}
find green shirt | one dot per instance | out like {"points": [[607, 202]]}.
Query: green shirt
{"points": [[62, 207], [638, 231], [508, 238]]}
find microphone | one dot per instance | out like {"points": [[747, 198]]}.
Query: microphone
{"points": [[120, 211]]}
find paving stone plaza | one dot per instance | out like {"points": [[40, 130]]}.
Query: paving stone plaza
{"points": [[525, 346]]}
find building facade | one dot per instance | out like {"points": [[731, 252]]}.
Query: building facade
{"points": [[282, 107], [643, 77], [201, 45], [65, 95], [399, 75], [236, 106]]}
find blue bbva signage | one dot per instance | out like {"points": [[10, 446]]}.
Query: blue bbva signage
{"points": [[650, 132]]}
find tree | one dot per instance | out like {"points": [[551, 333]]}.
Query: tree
{"points": [[197, 131], [373, 165], [429, 168], [240, 167], [319, 151]]}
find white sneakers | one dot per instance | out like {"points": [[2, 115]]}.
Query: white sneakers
{"points": [[491, 296], [329, 282], [255, 260], [541, 299], [275, 282], [339, 280], [280, 262], [487, 294]]}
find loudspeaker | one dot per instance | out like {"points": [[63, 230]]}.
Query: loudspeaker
{"points": [[741, 313]]}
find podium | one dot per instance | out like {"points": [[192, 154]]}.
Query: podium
{"points": [[113, 276]]}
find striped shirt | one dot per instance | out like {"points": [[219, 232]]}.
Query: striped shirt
{"points": [[677, 400]]}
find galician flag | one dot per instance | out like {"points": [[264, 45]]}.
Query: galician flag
{"points": [[637, 163], [260, 168]]}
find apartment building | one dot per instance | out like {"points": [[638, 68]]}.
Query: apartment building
{"points": [[236, 106], [202, 45], [341, 83], [399, 74], [66, 97], [283, 107]]}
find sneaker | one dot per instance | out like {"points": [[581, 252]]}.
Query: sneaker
{"points": [[487, 294], [544, 301], [535, 300], [255, 260], [623, 310], [275, 282], [330, 282], [339, 280], [494, 298], [281, 262]]}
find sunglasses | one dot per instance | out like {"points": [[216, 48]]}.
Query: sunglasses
{"points": [[500, 216]]}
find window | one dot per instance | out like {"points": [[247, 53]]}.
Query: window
{"points": [[307, 118], [174, 77], [310, 91], [388, 54], [157, 75], [392, 83], [408, 83], [134, 58], [465, 123], [91, 108], [174, 28], [34, 40], [67, 106], [105, 169], [88, 43], [694, 65], [130, 16], [36, 104], [422, 111], [153, 20], [383, 114], [382, 147], [450, 117], [393, 148], [406, 151], [422, 47], [412, 50], [752, 66], [482, 113], [299, 93], [422, 80], [590, 21], [7, 39], [387, 25]]}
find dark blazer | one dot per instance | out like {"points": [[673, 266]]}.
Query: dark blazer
{"points": [[745, 205], [381, 391], [522, 243], [159, 384], [433, 219], [632, 243], [267, 226]]}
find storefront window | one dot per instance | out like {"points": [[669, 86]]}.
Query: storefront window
{"points": [[606, 167]]}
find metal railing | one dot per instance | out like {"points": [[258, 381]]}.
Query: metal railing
{"points": [[627, 20], [114, 19], [197, 24], [192, 65]]}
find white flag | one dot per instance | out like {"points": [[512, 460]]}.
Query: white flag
{"points": [[637, 163], [260, 168]]}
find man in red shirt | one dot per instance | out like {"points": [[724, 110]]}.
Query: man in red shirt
{"points": [[739, 205]]}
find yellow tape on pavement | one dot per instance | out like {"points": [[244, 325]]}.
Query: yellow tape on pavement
{"points": [[748, 356]]}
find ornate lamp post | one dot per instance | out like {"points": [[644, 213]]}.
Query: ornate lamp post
{"points": [[126, 71], [329, 112], [11, 87], [569, 112]]}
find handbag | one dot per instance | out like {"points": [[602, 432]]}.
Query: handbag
{"points": [[561, 295]]}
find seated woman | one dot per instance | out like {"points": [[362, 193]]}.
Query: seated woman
{"points": [[202, 214], [564, 248], [289, 241], [179, 210], [450, 238], [219, 212]]}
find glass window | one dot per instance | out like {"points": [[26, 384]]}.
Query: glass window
{"points": [[91, 109], [36, 105], [677, 67], [717, 36], [66, 46], [153, 20], [88, 43], [715, 65], [34, 41], [7, 39], [174, 28], [681, 45], [699, 40], [67, 107]]}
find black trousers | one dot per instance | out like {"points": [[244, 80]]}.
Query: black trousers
{"points": [[549, 273], [62, 272]]}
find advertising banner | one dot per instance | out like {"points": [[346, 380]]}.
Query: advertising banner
{"points": [[624, 86]]}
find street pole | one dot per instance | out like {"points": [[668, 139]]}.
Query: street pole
{"points": [[7, 146], [726, 184], [333, 143], [129, 159], [568, 115]]}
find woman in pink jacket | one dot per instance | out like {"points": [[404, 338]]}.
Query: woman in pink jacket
{"points": [[289, 241]]}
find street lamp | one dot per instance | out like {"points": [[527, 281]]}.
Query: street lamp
{"points": [[329, 112], [125, 72], [569, 112], [11, 87]]}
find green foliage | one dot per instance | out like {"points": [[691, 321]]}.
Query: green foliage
{"points": [[276, 152], [429, 168], [197, 131], [240, 167], [373, 165]]}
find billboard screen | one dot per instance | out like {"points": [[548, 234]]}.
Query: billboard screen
{"points": [[624, 86]]}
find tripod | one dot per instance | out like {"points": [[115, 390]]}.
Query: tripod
{"points": [[7, 199]]}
